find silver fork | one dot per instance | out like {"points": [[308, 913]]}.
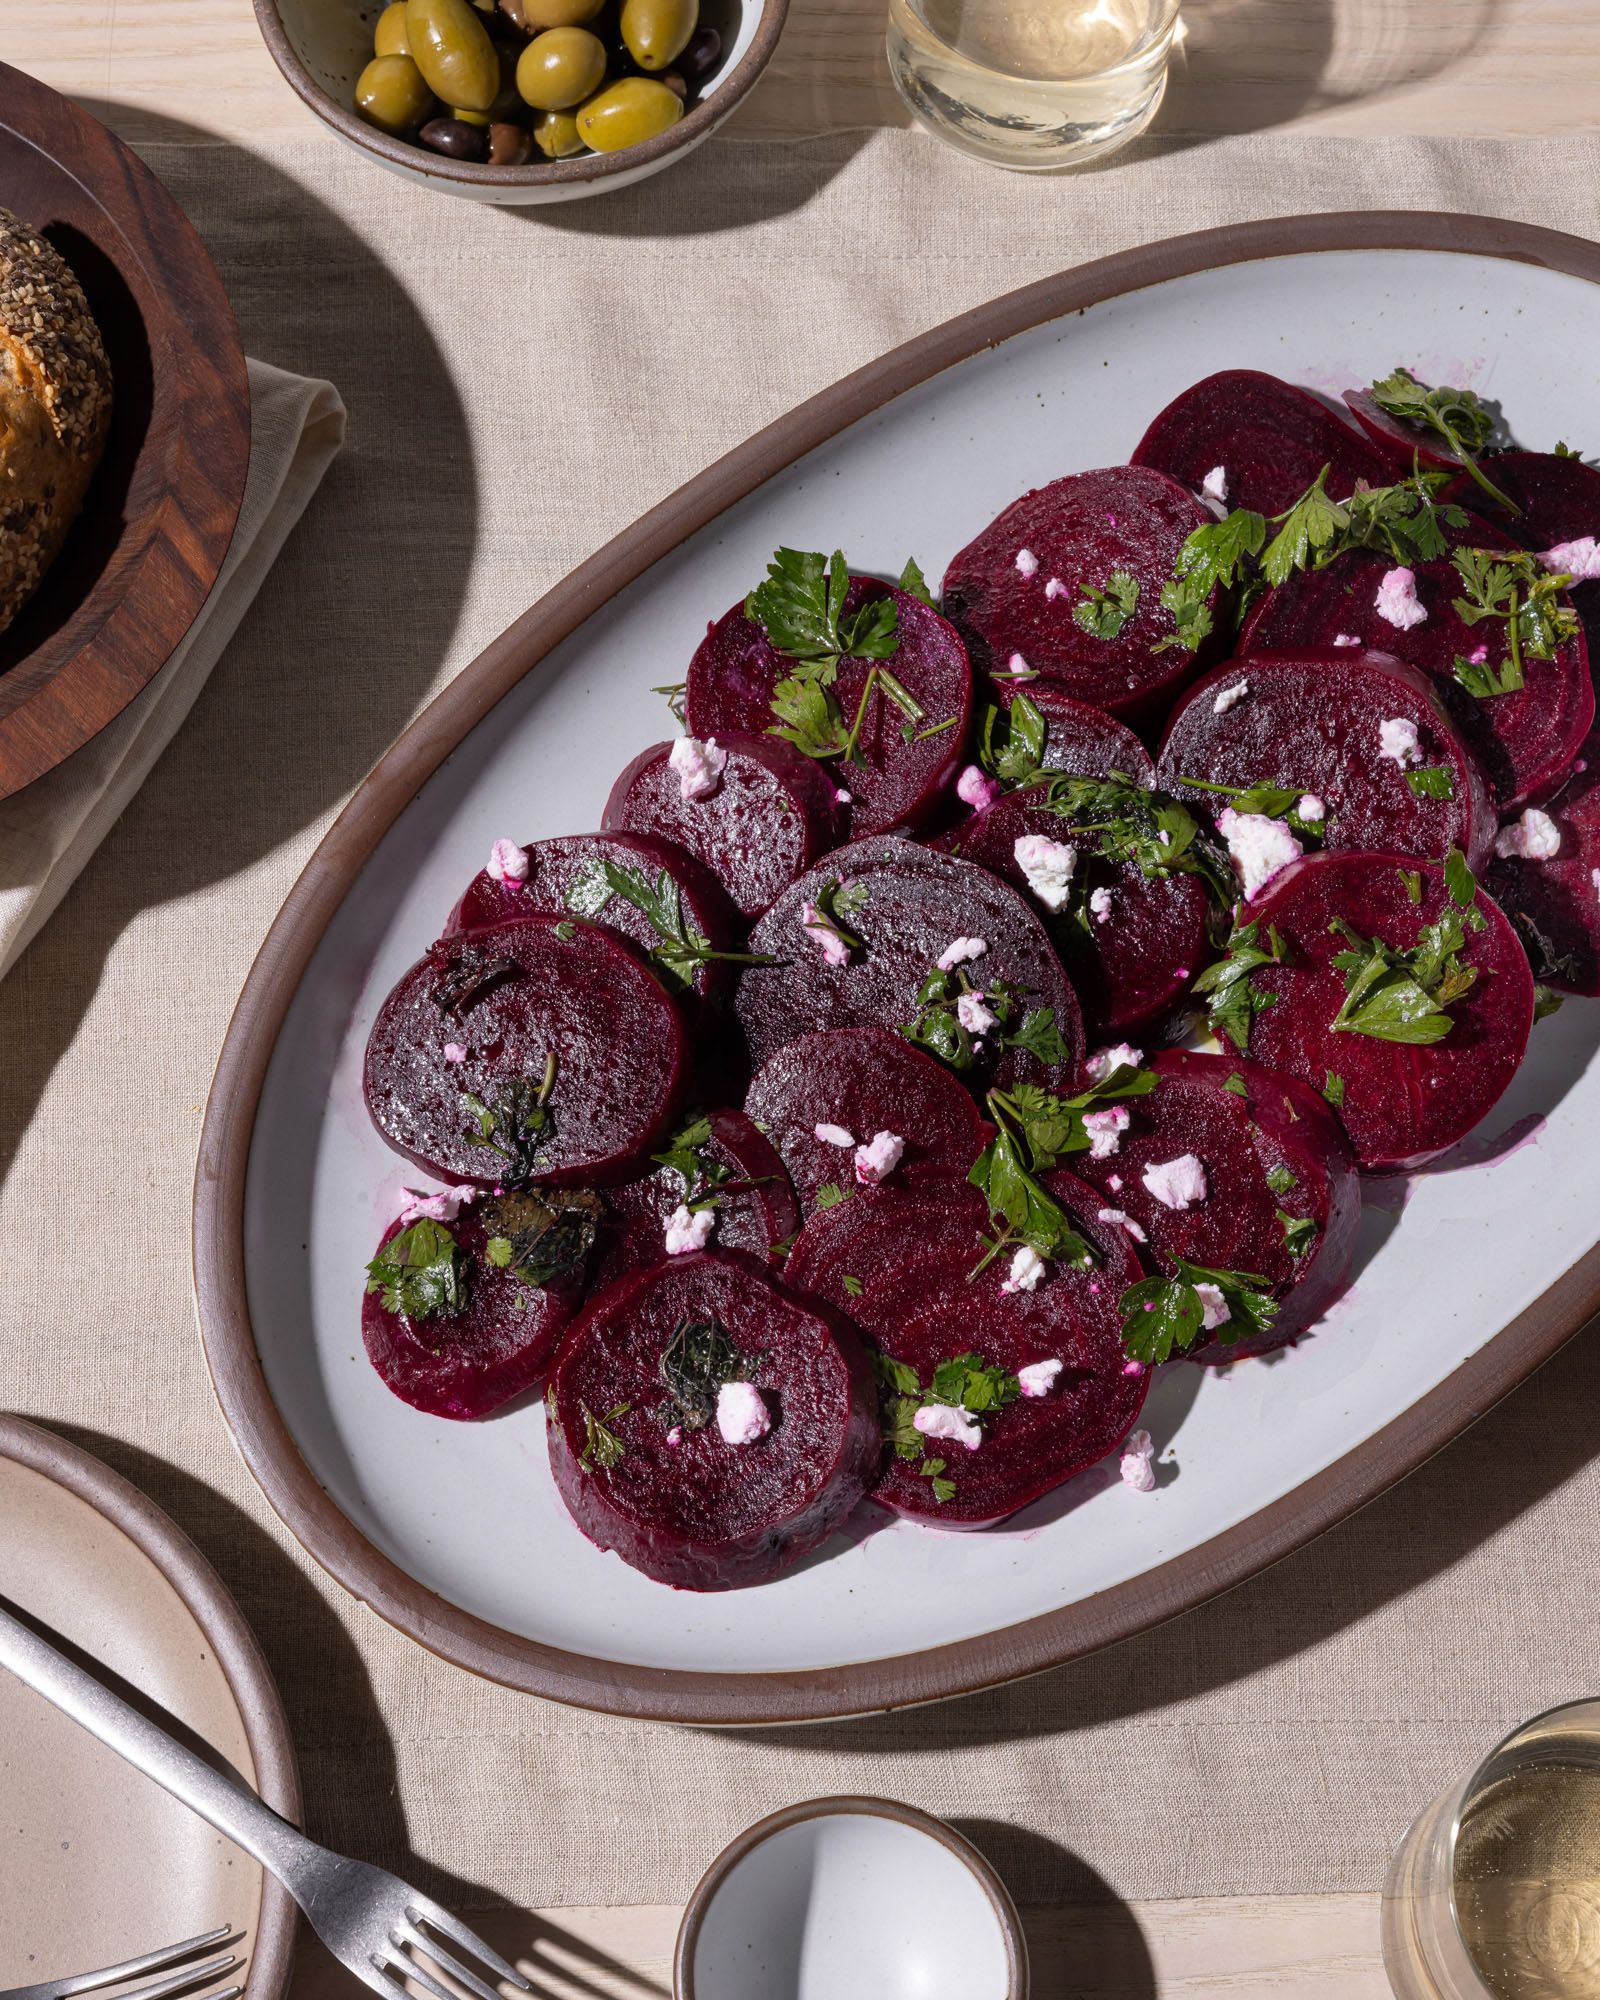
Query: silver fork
{"points": [[371, 1921], [181, 1981]]}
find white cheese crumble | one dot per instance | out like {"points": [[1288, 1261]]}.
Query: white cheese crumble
{"points": [[973, 1015], [1397, 603], [1178, 1183], [1027, 563], [1260, 847], [960, 950], [1026, 1273], [1118, 1055], [1018, 667], [833, 947], [1579, 559], [1048, 866], [1123, 1221], [1105, 1130], [880, 1156], [1138, 1450], [1038, 1378], [976, 788], [1345, 639], [443, 1205], [1055, 588], [1397, 740], [1100, 905], [689, 1229], [833, 1135], [699, 766], [455, 1052], [1230, 697], [1594, 877], [1215, 485], [1215, 1306], [742, 1414], [949, 1421], [508, 862], [1534, 837], [1311, 809]]}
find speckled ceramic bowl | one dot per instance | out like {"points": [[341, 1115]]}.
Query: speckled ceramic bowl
{"points": [[322, 46]]}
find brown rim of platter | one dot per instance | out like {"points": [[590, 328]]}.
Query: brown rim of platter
{"points": [[961, 1666], [237, 1653], [732, 86], [183, 467], [1005, 1910]]}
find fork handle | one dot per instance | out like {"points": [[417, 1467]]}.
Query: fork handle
{"points": [[227, 1806]]}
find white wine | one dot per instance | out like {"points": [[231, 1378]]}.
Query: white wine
{"points": [[1527, 1874], [1032, 83]]}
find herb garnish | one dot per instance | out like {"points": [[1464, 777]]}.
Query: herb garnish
{"points": [[696, 1362], [1280, 1179], [830, 1194], [915, 584], [1405, 996], [965, 1381], [1157, 834], [1233, 1000], [1299, 1232], [682, 950], [1167, 1312], [1270, 801], [1510, 584], [1102, 612], [1237, 1085], [1333, 1087], [422, 1270], [1484, 681], [676, 693], [602, 1447], [836, 907], [516, 1124], [1011, 740], [1456, 415], [937, 1026], [542, 1235], [1411, 882], [468, 973], [1545, 1002], [687, 1157], [1432, 781]]}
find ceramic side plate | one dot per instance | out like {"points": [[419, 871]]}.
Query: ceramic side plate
{"points": [[1466, 1280]]}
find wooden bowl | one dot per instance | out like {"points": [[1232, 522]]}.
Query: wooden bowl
{"points": [[322, 46], [142, 557]]}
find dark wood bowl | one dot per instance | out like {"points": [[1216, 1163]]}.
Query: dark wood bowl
{"points": [[143, 555]]}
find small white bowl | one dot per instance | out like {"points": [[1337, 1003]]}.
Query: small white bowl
{"points": [[850, 1899], [322, 46]]}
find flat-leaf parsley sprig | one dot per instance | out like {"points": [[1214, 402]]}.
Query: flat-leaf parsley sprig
{"points": [[1406, 996], [1164, 1314], [682, 949], [1461, 419]]}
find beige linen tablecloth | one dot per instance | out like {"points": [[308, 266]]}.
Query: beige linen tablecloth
{"points": [[519, 387]]}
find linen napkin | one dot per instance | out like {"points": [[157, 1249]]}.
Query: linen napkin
{"points": [[49, 829]]}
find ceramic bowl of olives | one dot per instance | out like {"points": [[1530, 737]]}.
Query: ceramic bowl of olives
{"points": [[522, 101]]}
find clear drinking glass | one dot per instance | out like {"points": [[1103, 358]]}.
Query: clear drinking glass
{"points": [[1032, 83], [1494, 1894]]}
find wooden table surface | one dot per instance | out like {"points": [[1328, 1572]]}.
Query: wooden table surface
{"points": [[1469, 67]]}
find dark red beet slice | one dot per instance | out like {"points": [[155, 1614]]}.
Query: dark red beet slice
{"points": [[555, 867], [1270, 1148], [1081, 740], [1555, 904], [1270, 438], [1526, 741], [1079, 531], [1401, 1104], [510, 999], [1312, 720], [1401, 445], [862, 1081], [909, 1255], [1560, 503], [702, 1513], [735, 669], [773, 813], [1134, 944], [755, 1206], [465, 1364], [917, 904]]}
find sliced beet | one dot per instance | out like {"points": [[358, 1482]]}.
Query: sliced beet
{"points": [[1130, 944], [1401, 1104], [1015, 592], [509, 1000], [558, 868], [1526, 741], [677, 1500], [734, 1170], [773, 814], [1559, 498], [915, 903], [1312, 721], [1273, 1155], [1400, 445], [900, 1262], [862, 1081], [1555, 903], [1081, 740], [897, 783], [467, 1362], [1270, 438]]}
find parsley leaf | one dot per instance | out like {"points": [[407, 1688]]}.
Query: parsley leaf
{"points": [[969, 1383], [696, 1361], [1164, 1313], [1460, 882], [1455, 415], [1011, 740], [1160, 836], [800, 607], [682, 950], [915, 584], [1280, 1179], [1333, 1087], [675, 692], [1513, 585], [1432, 781], [1311, 525], [936, 1024], [516, 1125], [1299, 1232], [1545, 1002], [830, 1194], [1022, 1211], [1271, 801], [1403, 996], [1411, 882], [421, 1271], [1103, 612], [543, 1235], [602, 1447], [1233, 1001], [809, 718], [1483, 680], [1050, 1125]]}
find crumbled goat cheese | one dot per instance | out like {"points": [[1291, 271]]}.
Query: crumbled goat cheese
{"points": [[1038, 1378], [508, 862], [742, 1413], [1215, 485], [1027, 563], [1229, 697], [834, 949], [1534, 837], [843, 797], [1397, 740], [1216, 1306], [1138, 1450], [834, 1135], [1396, 602], [1027, 1270], [1311, 809], [950, 1421], [1116, 1215], [1178, 1183], [1100, 905], [1054, 588], [675, 1435], [1018, 667], [1048, 865], [973, 1015], [443, 1205], [976, 788], [959, 950], [1118, 1055], [1345, 639], [1260, 847], [689, 1229], [1579, 559], [699, 766], [1105, 1130], [1594, 877], [880, 1156], [455, 1052]]}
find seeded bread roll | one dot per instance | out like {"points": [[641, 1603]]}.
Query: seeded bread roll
{"points": [[55, 406]]}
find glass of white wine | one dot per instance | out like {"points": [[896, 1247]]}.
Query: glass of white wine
{"points": [[1032, 83], [1494, 1894]]}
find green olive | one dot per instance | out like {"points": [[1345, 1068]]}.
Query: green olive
{"points": [[391, 37], [451, 47], [628, 111], [533, 15], [656, 32], [555, 133], [479, 118], [391, 94], [561, 68]]}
